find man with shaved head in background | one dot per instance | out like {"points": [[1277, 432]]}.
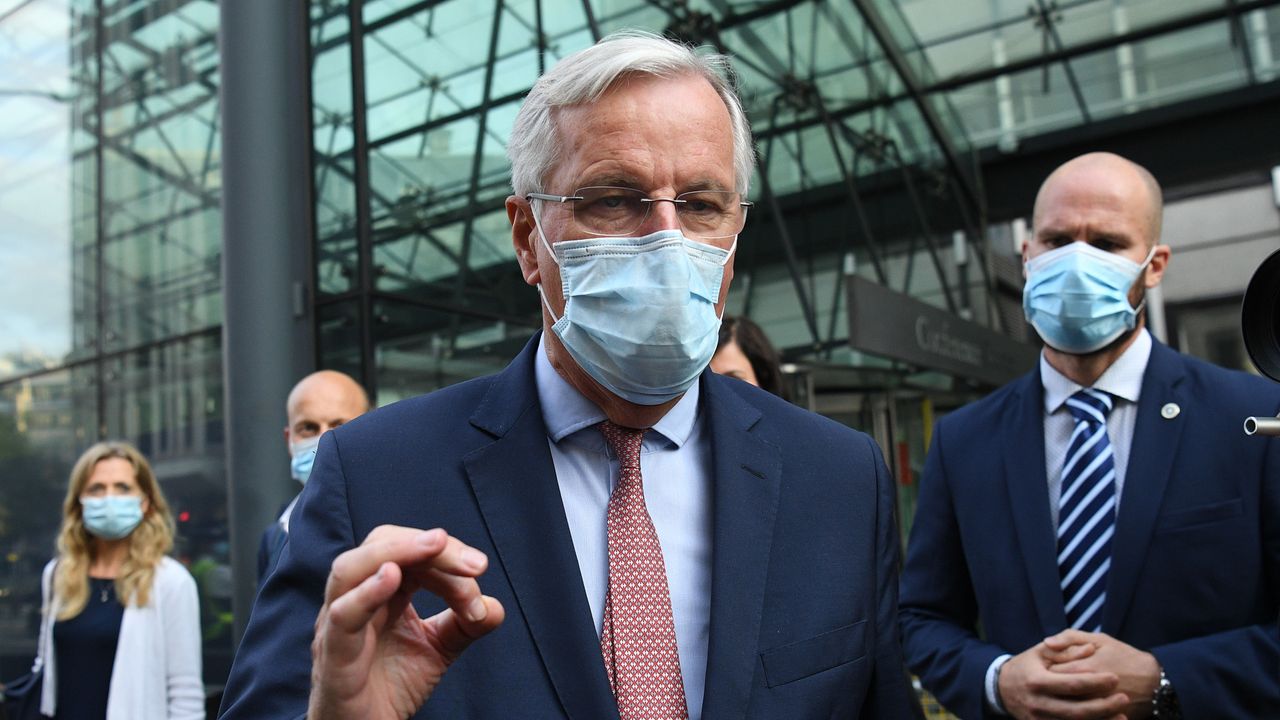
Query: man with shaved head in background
{"points": [[319, 402], [1099, 538]]}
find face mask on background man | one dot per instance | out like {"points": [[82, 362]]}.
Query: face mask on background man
{"points": [[303, 456], [1077, 296]]}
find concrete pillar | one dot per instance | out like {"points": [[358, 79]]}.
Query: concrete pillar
{"points": [[267, 335]]}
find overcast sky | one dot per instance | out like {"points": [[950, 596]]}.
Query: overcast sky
{"points": [[35, 178]]}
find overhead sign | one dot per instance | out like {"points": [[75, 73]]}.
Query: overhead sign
{"points": [[895, 325]]}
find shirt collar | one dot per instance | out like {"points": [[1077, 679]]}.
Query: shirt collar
{"points": [[565, 411], [1123, 379]]}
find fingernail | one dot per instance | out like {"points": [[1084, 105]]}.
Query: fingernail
{"points": [[474, 559], [430, 537], [382, 572], [477, 610]]}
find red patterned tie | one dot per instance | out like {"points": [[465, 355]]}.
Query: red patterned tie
{"points": [[639, 635]]}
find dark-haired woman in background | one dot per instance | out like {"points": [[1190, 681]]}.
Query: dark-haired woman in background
{"points": [[120, 638], [744, 352]]}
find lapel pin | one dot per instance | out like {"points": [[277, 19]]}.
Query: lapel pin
{"points": [[1170, 411]]}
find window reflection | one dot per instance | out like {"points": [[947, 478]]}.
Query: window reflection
{"points": [[136, 294]]}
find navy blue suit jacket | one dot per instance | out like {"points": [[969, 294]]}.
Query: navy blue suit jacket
{"points": [[804, 566], [1195, 570]]}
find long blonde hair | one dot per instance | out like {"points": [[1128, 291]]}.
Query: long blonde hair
{"points": [[148, 542]]}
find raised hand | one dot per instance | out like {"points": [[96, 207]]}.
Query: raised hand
{"points": [[372, 656]]}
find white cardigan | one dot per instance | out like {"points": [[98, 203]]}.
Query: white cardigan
{"points": [[157, 668]]}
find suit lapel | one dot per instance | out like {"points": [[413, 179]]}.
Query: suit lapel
{"points": [[1155, 443], [1029, 494], [515, 487], [746, 476]]}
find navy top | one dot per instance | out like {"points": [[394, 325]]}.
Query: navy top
{"points": [[85, 648]]}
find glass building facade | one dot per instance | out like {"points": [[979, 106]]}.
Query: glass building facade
{"points": [[113, 310], [875, 123]]}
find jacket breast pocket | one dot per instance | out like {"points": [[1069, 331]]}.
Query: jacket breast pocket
{"points": [[1197, 516], [800, 659]]}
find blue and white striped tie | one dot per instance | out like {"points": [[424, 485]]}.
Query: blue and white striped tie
{"points": [[1087, 511]]}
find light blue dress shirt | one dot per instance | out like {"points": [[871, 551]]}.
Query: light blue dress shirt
{"points": [[675, 462]]}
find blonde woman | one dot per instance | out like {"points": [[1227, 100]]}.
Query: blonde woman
{"points": [[120, 638]]}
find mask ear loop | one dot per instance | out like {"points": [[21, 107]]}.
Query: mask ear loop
{"points": [[538, 226], [1150, 256], [732, 249], [1141, 272], [547, 305], [542, 295]]}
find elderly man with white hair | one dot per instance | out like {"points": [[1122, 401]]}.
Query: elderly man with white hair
{"points": [[605, 529]]}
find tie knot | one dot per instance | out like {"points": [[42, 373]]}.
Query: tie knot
{"points": [[625, 442], [1091, 406]]}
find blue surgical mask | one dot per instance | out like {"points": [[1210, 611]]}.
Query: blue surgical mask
{"points": [[303, 454], [112, 517], [640, 312], [1077, 296]]}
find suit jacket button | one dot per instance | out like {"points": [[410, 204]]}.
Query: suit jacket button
{"points": [[1170, 411]]}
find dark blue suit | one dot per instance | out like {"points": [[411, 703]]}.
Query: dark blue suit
{"points": [[804, 567], [1195, 572]]}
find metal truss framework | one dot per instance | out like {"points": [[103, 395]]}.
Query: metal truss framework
{"points": [[795, 103], [897, 135], [850, 143], [144, 125]]}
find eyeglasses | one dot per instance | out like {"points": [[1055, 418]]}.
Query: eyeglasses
{"points": [[620, 211]]}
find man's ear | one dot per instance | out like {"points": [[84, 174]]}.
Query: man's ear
{"points": [[524, 238], [1154, 272]]}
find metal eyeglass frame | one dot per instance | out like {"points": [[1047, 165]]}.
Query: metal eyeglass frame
{"points": [[744, 204]]}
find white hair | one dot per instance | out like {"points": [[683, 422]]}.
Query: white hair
{"points": [[584, 76]]}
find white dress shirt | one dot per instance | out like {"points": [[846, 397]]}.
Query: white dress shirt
{"points": [[675, 461], [1123, 380]]}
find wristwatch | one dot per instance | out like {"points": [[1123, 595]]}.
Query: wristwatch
{"points": [[1164, 701]]}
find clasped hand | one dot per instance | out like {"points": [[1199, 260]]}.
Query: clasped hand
{"points": [[372, 656], [1080, 676]]}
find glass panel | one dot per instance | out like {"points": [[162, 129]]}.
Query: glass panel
{"points": [[84, 206], [167, 401], [1191, 63], [338, 331], [36, 97], [375, 10], [45, 422], [337, 252], [1158, 71], [426, 66], [957, 35], [337, 256], [161, 175], [141, 97], [1264, 31]]}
